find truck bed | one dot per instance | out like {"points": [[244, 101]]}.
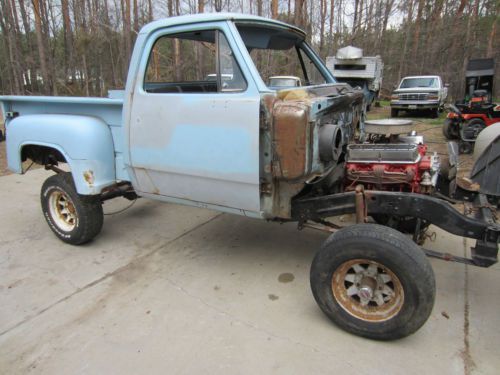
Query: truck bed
{"points": [[108, 110]]}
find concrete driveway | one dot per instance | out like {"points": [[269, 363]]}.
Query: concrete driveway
{"points": [[167, 289]]}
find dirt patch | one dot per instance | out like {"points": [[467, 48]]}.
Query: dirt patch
{"points": [[3, 160]]}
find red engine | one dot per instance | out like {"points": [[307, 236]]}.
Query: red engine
{"points": [[394, 167]]}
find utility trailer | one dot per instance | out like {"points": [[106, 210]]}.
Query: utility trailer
{"points": [[231, 143], [479, 75], [350, 66]]}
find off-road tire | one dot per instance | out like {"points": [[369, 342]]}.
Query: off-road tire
{"points": [[394, 112], [395, 252], [476, 123], [86, 210]]}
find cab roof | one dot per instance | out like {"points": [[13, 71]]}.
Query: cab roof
{"points": [[213, 17]]}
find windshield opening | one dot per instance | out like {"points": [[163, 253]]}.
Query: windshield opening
{"points": [[280, 57], [409, 83]]}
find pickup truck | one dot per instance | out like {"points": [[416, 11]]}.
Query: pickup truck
{"points": [[231, 143], [419, 94]]}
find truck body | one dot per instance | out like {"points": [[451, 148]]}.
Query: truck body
{"points": [[418, 94], [200, 123], [214, 156], [350, 66]]}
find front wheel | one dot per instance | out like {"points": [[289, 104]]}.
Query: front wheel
{"points": [[74, 218], [374, 282]]}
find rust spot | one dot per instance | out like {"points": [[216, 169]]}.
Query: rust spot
{"points": [[292, 138], [268, 102], [88, 176]]}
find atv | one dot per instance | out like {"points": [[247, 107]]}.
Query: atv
{"points": [[466, 120]]}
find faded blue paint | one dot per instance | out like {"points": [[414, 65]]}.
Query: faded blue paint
{"points": [[199, 148], [86, 143], [189, 147], [108, 111]]}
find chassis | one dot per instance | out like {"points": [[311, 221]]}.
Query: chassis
{"points": [[433, 210]]}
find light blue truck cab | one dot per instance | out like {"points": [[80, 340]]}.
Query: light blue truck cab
{"points": [[199, 123]]}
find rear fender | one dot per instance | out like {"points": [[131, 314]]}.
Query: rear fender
{"points": [[85, 142], [470, 116]]}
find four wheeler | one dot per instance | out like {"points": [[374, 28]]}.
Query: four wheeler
{"points": [[465, 121]]}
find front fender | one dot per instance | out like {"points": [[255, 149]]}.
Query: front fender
{"points": [[85, 142]]}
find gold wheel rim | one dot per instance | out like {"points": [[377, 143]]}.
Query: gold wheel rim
{"points": [[62, 210], [367, 290]]}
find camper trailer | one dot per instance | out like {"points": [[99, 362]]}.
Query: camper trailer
{"points": [[350, 66]]}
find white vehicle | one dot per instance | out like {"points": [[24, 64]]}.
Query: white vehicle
{"points": [[350, 66], [419, 93]]}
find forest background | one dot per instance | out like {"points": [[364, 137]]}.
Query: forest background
{"points": [[83, 47]]}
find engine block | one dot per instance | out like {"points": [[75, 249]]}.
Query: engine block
{"points": [[392, 167]]}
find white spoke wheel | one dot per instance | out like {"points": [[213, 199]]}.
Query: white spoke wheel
{"points": [[373, 281], [73, 218]]}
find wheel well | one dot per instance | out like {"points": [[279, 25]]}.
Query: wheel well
{"points": [[43, 155]]}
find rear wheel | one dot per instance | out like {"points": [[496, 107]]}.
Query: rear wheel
{"points": [[472, 128], [374, 282], [74, 218], [394, 112]]}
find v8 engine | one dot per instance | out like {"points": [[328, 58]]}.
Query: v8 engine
{"points": [[391, 162]]}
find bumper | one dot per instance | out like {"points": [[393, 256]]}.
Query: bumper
{"points": [[414, 105]]}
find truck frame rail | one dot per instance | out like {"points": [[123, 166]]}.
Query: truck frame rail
{"points": [[433, 210]]}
